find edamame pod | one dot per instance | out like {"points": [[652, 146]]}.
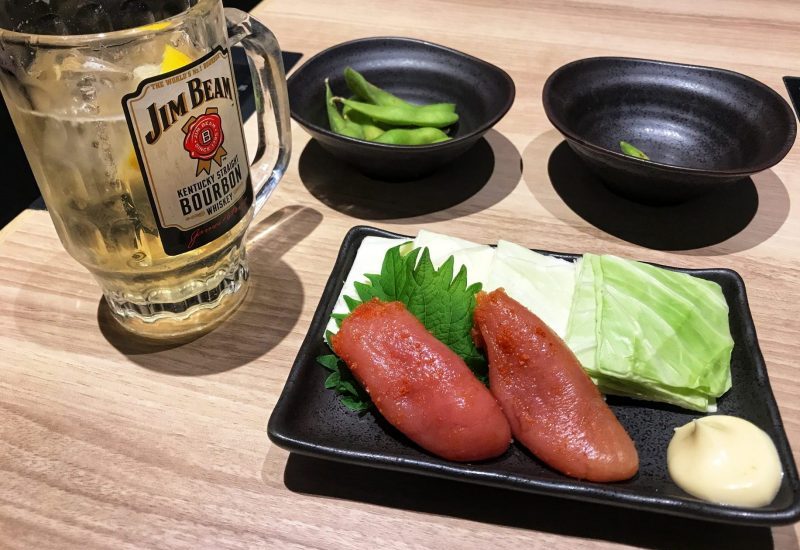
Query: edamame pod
{"points": [[632, 151], [369, 92], [338, 123], [412, 136], [347, 110], [437, 115], [368, 126]]}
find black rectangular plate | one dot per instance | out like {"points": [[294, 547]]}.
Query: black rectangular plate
{"points": [[309, 419]]}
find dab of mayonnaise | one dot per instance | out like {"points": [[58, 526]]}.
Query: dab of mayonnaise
{"points": [[725, 459]]}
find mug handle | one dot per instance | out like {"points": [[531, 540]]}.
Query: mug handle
{"points": [[266, 70]]}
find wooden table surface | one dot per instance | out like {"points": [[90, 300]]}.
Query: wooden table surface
{"points": [[106, 444]]}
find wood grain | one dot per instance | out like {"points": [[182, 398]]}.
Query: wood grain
{"points": [[105, 443]]}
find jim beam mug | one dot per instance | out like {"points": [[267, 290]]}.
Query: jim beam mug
{"points": [[135, 138]]}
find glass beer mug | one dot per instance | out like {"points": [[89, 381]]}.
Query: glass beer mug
{"points": [[129, 116]]}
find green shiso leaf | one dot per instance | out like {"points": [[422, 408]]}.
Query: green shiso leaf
{"points": [[443, 303], [330, 362], [341, 380], [333, 380], [355, 404]]}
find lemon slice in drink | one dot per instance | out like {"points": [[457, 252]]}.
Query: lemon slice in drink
{"points": [[172, 59], [155, 26]]}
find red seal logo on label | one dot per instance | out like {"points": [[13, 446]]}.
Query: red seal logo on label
{"points": [[204, 138]]}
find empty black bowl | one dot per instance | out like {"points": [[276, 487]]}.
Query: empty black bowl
{"points": [[417, 71], [701, 127]]}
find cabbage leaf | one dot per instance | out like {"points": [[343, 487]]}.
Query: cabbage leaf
{"points": [[650, 333]]}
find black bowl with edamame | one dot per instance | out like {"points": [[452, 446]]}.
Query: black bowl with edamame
{"points": [[417, 71]]}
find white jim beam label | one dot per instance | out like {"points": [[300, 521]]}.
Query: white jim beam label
{"points": [[186, 129]]}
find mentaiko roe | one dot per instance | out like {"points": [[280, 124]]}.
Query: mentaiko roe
{"points": [[420, 385], [554, 408]]}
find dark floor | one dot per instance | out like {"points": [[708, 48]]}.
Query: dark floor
{"points": [[246, 5], [20, 188]]}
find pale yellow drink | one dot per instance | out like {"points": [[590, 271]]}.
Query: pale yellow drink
{"points": [[135, 139]]}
